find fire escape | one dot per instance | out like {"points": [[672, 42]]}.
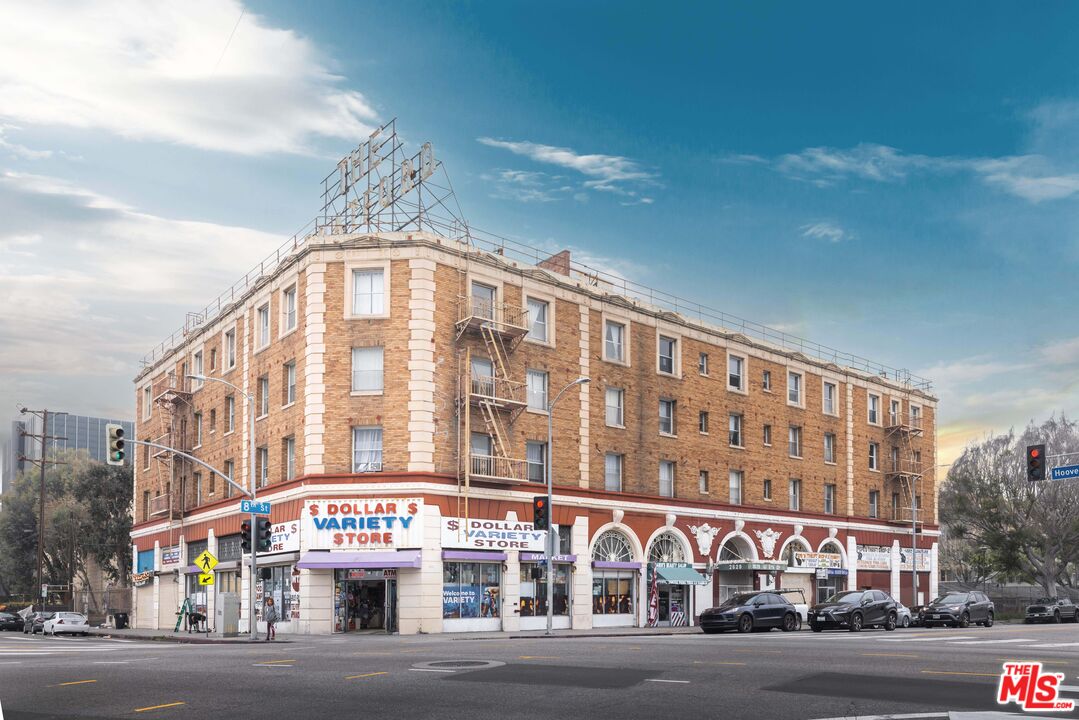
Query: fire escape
{"points": [[904, 467], [172, 404], [487, 388]]}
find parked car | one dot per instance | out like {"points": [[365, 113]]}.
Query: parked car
{"points": [[67, 623], [904, 616], [750, 611], [35, 622], [9, 621], [960, 609], [1052, 610], [853, 610], [798, 599]]}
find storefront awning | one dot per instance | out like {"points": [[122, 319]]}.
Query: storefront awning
{"points": [[680, 576], [478, 555], [610, 565], [321, 560]]}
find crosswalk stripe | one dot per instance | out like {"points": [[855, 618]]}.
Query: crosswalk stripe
{"points": [[1053, 645], [991, 642], [928, 639]]}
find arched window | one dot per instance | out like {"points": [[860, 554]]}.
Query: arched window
{"points": [[831, 546], [731, 550], [666, 548], [793, 546], [612, 546]]}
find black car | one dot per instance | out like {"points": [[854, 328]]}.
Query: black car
{"points": [[10, 622], [960, 609], [1052, 610], [35, 623], [917, 615], [853, 610], [751, 611]]}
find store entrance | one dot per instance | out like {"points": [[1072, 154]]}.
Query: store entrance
{"points": [[366, 604], [672, 605]]}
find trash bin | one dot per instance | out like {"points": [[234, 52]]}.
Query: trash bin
{"points": [[121, 620]]}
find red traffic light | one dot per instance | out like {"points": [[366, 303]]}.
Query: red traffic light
{"points": [[1034, 452]]}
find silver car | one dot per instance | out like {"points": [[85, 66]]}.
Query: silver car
{"points": [[902, 615], [66, 623]]}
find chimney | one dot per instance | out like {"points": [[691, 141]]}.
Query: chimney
{"points": [[557, 263]]}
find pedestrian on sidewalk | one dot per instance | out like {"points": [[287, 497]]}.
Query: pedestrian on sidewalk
{"points": [[269, 614]]}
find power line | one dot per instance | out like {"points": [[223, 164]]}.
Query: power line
{"points": [[229, 41]]}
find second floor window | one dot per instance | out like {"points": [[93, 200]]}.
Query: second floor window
{"points": [[264, 396], [735, 430], [613, 341], [666, 478], [874, 503], [736, 477], [368, 292], [230, 413], [228, 470], [537, 390], [666, 417], [794, 441], [366, 449], [198, 429], [367, 369], [766, 491], [702, 480], [290, 383], [874, 456], [829, 447], [263, 456], [290, 457], [794, 494], [536, 456], [829, 499], [668, 348], [612, 472], [537, 318], [615, 397]]}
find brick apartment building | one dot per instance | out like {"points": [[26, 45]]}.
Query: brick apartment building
{"points": [[400, 381]]}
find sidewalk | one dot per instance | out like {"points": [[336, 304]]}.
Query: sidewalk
{"points": [[170, 636]]}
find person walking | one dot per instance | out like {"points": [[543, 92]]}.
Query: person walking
{"points": [[269, 614]]}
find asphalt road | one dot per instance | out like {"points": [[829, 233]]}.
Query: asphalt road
{"points": [[770, 675]]}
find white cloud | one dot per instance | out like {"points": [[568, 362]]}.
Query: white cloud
{"points": [[20, 151], [825, 231], [525, 186], [149, 71]]}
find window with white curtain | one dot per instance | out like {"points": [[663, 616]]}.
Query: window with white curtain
{"points": [[612, 472], [367, 369], [264, 325], [366, 449], [666, 478], [537, 315], [264, 396], [736, 477], [614, 337], [290, 457], [537, 390], [615, 397], [536, 455], [288, 307], [263, 466], [368, 292]]}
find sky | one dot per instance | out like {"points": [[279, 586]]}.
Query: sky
{"points": [[900, 181]]}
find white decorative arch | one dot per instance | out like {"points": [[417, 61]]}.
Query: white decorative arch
{"points": [[741, 535], [634, 542], [687, 549], [836, 544], [794, 539]]}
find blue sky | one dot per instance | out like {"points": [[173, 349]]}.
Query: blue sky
{"points": [[899, 182]]}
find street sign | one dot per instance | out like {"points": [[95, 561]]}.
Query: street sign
{"points": [[44, 590], [206, 578], [206, 563], [1066, 472], [255, 508]]}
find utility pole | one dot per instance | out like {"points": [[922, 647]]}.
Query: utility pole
{"points": [[43, 437]]}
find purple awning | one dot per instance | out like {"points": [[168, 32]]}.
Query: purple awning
{"points": [[606, 565], [473, 555], [321, 560], [541, 557]]}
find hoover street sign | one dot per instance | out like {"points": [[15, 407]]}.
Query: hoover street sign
{"points": [[1066, 472]]}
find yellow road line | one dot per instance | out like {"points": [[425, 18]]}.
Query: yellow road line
{"points": [[267, 662], [888, 655], [1043, 662], [75, 682], [951, 672], [158, 707], [353, 677]]}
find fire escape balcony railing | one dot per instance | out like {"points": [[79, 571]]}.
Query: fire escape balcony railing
{"points": [[503, 317], [492, 467]]}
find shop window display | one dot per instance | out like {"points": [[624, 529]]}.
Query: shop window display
{"points": [[471, 590], [534, 592]]}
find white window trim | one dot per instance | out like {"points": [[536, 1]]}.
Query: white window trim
{"points": [[741, 430], [258, 400], [225, 367], [547, 393], [352, 393], [708, 420], [197, 417], [387, 277], [255, 326], [708, 362], [531, 295], [296, 379], [801, 388], [627, 338], [769, 443], [708, 481], [674, 478], [801, 442], [284, 331], [676, 361], [744, 390], [877, 469], [880, 408], [770, 387], [835, 493], [621, 470], [147, 400], [829, 381], [197, 385], [225, 415], [835, 452], [623, 408], [674, 417]]}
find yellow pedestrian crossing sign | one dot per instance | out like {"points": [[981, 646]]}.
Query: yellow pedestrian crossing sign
{"points": [[206, 578], [206, 563]]}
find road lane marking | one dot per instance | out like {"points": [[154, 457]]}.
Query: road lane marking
{"points": [[888, 655], [158, 707], [539, 657], [431, 670], [927, 638], [681, 682], [761, 652], [1043, 662], [111, 662], [273, 665], [993, 642], [75, 682], [1068, 688], [1053, 645], [716, 662], [270, 662], [954, 672], [353, 677]]}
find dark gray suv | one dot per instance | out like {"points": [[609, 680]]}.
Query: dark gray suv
{"points": [[960, 609]]}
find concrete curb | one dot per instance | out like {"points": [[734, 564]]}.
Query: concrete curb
{"points": [[183, 639]]}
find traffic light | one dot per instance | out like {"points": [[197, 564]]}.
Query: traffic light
{"points": [[114, 433], [263, 531], [1035, 462], [245, 536], [541, 516]]}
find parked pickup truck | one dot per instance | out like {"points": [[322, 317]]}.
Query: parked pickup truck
{"points": [[798, 599]]}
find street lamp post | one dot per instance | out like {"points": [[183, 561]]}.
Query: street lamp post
{"points": [[550, 501], [252, 486]]}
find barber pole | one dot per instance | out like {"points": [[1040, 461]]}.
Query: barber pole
{"points": [[653, 601]]}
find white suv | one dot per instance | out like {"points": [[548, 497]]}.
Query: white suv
{"points": [[66, 622]]}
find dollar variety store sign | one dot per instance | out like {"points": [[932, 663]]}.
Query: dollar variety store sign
{"points": [[367, 524]]}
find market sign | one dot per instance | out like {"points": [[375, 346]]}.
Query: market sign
{"points": [[170, 556], [363, 524], [492, 535], [817, 560], [874, 557]]}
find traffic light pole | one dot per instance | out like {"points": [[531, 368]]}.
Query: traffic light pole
{"points": [[253, 626]]}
